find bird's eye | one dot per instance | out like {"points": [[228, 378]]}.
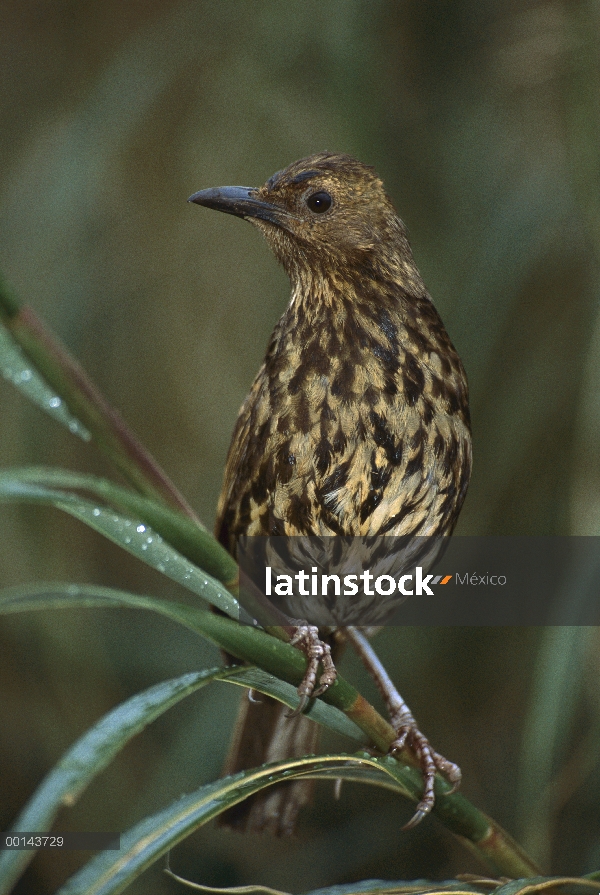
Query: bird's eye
{"points": [[319, 202]]}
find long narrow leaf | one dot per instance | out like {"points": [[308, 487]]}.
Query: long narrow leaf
{"points": [[17, 368], [364, 887], [82, 407], [547, 736], [488, 839], [129, 532], [88, 757], [110, 873], [243, 641], [256, 679], [187, 536], [96, 748], [55, 595]]}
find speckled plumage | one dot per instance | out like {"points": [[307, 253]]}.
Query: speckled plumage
{"points": [[358, 420]]}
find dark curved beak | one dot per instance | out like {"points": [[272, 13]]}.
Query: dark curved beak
{"points": [[242, 201]]}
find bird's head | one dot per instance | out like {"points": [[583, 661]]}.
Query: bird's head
{"points": [[325, 213]]}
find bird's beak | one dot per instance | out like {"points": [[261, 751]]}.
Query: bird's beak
{"points": [[242, 201]]}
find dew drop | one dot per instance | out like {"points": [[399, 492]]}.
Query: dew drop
{"points": [[54, 402], [141, 528], [95, 511], [26, 375]]}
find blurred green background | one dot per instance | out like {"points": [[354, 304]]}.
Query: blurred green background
{"points": [[483, 120]]}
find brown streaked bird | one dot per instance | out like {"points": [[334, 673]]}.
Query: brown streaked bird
{"points": [[357, 422]]}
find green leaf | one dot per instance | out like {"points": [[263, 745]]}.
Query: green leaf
{"points": [[559, 676], [129, 532], [566, 885], [327, 715], [187, 536], [363, 887], [488, 839], [17, 368], [94, 751], [494, 845], [96, 748], [109, 872], [243, 641], [89, 756], [55, 595], [48, 361]]}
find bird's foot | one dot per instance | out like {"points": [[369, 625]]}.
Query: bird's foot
{"points": [[306, 638], [410, 737]]}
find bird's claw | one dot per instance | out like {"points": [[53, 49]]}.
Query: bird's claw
{"points": [[410, 737], [302, 704], [306, 638]]}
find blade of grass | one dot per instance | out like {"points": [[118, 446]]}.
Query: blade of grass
{"points": [[243, 641], [129, 532], [364, 887], [71, 384], [97, 747], [38, 485], [558, 679], [185, 535], [109, 874], [489, 841], [18, 369], [154, 836], [88, 757]]}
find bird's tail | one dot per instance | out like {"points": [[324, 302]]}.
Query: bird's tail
{"points": [[263, 734]]}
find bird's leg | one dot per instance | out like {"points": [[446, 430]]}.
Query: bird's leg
{"points": [[306, 638], [408, 734]]}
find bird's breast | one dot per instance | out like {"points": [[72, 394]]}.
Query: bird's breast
{"points": [[356, 424]]}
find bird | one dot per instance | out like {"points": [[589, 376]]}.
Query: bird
{"points": [[357, 423]]}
